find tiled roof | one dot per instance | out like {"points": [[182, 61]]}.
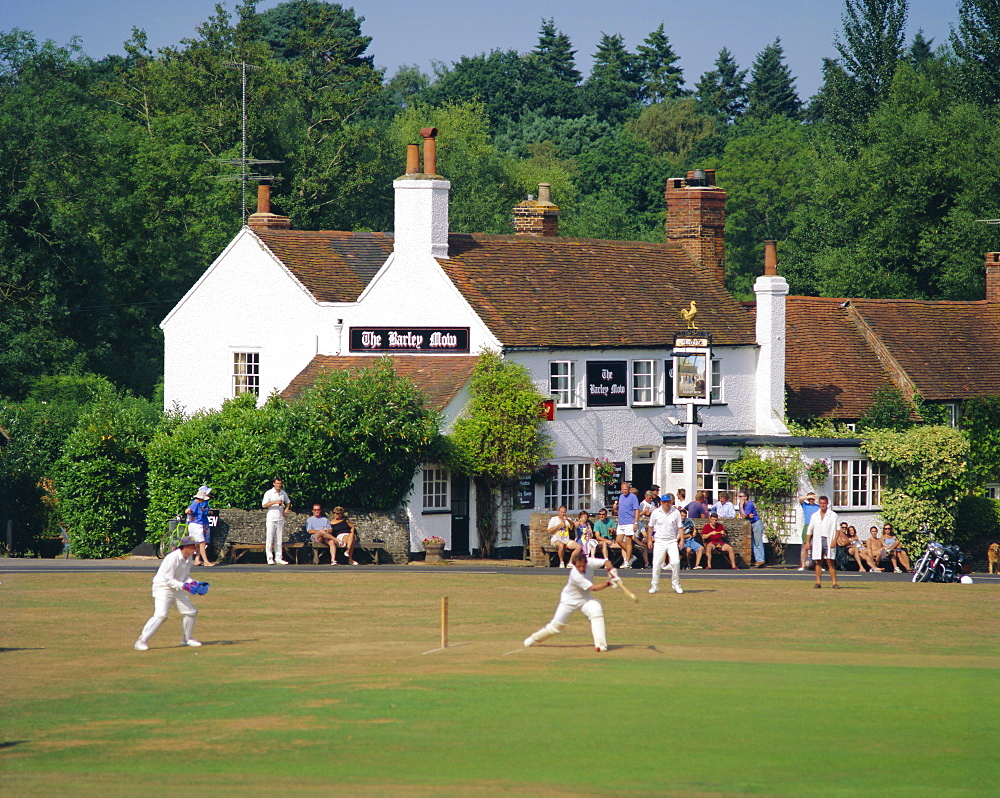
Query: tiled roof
{"points": [[544, 292], [440, 377], [333, 266], [950, 350], [830, 372], [581, 292]]}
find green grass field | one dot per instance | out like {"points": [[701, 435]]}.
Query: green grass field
{"points": [[318, 681]]}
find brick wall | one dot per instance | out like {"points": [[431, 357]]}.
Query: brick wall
{"points": [[247, 526]]}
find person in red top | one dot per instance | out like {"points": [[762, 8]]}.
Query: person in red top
{"points": [[714, 536]]}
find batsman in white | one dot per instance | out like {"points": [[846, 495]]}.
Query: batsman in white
{"points": [[665, 522], [168, 585], [577, 596]]}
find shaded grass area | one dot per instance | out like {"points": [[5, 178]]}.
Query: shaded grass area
{"points": [[320, 681]]}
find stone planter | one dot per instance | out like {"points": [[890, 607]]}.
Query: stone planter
{"points": [[434, 552]]}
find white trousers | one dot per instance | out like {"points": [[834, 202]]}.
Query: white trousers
{"points": [[274, 530], [162, 596], [660, 551], [592, 608]]}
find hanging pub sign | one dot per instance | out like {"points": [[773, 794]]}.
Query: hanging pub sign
{"points": [[692, 363], [607, 383], [428, 340]]}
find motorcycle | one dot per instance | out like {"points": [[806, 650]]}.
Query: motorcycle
{"points": [[940, 563]]}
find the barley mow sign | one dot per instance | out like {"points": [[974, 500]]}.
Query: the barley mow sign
{"points": [[430, 340]]}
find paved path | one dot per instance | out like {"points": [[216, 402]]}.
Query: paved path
{"points": [[513, 567]]}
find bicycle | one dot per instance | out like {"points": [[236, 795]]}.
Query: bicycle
{"points": [[173, 536]]}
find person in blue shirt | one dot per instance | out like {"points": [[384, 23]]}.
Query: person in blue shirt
{"points": [[747, 509], [627, 508], [809, 506], [197, 520]]}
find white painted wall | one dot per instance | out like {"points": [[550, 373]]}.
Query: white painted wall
{"points": [[245, 302]]}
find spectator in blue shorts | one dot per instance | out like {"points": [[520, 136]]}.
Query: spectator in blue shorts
{"points": [[692, 548]]}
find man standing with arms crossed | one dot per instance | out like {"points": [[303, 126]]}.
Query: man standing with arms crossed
{"points": [[665, 524], [628, 520], [275, 501]]}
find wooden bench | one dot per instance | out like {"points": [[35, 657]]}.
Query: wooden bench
{"points": [[236, 549], [371, 547]]}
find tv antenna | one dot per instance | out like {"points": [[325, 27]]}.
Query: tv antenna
{"points": [[243, 162]]}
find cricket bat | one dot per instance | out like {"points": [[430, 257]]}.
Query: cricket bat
{"points": [[625, 590]]}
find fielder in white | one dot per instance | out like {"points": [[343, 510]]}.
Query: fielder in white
{"points": [[276, 503], [168, 585], [665, 521], [577, 596]]}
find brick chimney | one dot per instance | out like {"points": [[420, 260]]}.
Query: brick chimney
{"points": [[993, 276], [264, 219], [696, 218], [537, 217], [421, 203]]}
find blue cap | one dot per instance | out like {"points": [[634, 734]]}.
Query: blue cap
{"points": [[667, 497]]}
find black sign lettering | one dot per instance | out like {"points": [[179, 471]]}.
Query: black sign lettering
{"points": [[430, 340], [607, 383]]}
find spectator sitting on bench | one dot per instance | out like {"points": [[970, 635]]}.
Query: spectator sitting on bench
{"points": [[893, 551], [584, 531], [318, 527], [714, 535], [561, 528], [345, 533], [604, 534], [691, 548]]}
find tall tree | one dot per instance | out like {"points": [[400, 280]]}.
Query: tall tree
{"points": [[552, 79], [976, 43], [494, 79], [721, 92], [771, 91], [612, 91], [661, 78], [290, 28], [920, 51], [500, 436], [871, 46]]}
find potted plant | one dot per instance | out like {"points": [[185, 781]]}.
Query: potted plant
{"points": [[545, 474], [434, 546]]}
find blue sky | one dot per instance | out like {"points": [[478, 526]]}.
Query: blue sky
{"points": [[422, 31]]}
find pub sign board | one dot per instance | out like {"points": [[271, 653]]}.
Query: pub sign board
{"points": [[692, 359], [526, 493], [427, 340], [607, 383]]}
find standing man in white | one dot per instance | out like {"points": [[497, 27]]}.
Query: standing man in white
{"points": [[275, 501], [577, 596], [665, 522], [168, 585], [819, 540]]}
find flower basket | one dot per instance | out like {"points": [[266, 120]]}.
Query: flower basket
{"points": [[818, 472], [604, 471]]}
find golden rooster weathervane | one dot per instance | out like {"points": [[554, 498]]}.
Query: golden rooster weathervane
{"points": [[688, 315]]}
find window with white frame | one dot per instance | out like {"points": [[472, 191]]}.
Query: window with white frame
{"points": [[562, 383], [246, 373], [716, 395], [951, 414], [437, 482], [647, 383], [857, 483], [571, 486], [712, 477], [993, 490]]}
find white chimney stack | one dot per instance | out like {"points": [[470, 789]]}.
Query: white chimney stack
{"points": [[771, 290], [422, 205]]}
